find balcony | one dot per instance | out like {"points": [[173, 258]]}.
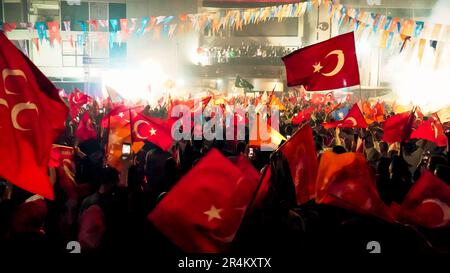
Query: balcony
{"points": [[248, 55]]}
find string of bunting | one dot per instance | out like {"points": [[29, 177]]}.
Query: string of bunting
{"points": [[401, 32]]}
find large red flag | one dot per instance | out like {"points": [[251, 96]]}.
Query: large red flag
{"points": [[354, 119], [427, 203], [345, 180], [86, 129], [431, 130], [300, 152], [204, 210], [398, 127], [155, 130], [331, 64], [31, 116]]}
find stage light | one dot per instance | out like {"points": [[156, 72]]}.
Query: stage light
{"points": [[141, 82]]}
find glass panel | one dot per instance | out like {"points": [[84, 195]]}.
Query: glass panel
{"points": [[117, 11], [74, 13], [99, 11], [44, 11], [14, 11]]}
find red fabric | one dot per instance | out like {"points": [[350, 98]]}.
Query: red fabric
{"points": [[375, 114], [427, 203], [59, 154], [301, 155], [77, 99], [62, 159], [431, 130], [263, 188], [119, 116], [29, 217], [155, 130], [85, 129], [327, 65], [398, 127], [54, 32], [248, 169], [7, 27], [322, 98], [345, 180], [304, 115], [200, 216], [354, 119], [32, 115]]}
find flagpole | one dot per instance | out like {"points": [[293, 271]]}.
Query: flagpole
{"points": [[252, 200], [107, 138], [360, 93], [131, 126]]}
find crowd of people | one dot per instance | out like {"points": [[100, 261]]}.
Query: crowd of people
{"points": [[222, 55], [106, 209]]}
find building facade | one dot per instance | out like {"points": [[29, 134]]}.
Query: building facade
{"points": [[194, 61]]}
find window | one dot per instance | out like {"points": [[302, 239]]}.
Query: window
{"points": [[1, 10], [75, 14], [47, 11], [118, 53], [117, 11], [15, 11], [99, 11]]}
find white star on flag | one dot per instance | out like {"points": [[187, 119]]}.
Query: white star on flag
{"points": [[213, 212]]}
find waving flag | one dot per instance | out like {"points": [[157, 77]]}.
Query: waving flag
{"points": [[327, 65], [301, 155], [155, 130], [77, 100], [398, 127], [200, 216], [340, 113], [86, 129], [345, 180], [354, 119], [431, 130], [32, 115], [427, 203]]}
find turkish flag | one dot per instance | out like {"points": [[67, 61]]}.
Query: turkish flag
{"points": [[60, 154], [431, 130], [118, 116], [300, 152], [322, 98], [196, 106], [398, 128], [304, 115], [32, 115], [354, 119], [155, 130], [427, 203], [62, 159], [331, 64], [77, 100], [203, 211], [345, 180], [86, 129], [263, 188]]}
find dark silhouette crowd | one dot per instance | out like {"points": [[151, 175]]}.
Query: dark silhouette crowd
{"points": [[106, 209]]}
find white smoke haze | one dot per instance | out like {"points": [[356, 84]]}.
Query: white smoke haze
{"points": [[426, 83]]}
